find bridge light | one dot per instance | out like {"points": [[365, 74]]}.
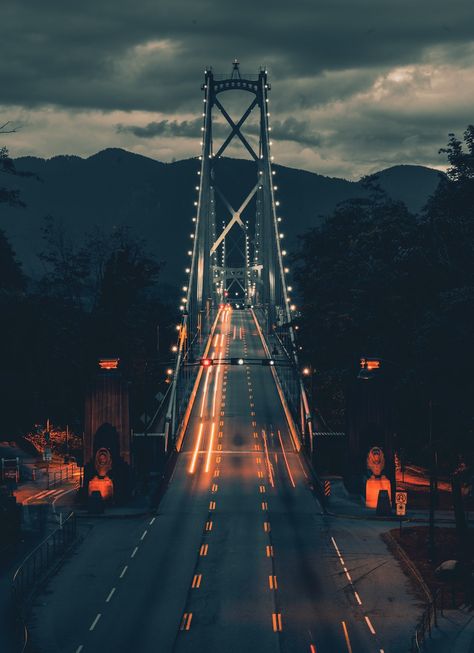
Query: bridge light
{"points": [[290, 288], [185, 288], [283, 252], [206, 362], [279, 219], [190, 252], [292, 307], [268, 361], [306, 371], [277, 203], [187, 270], [169, 371], [282, 235], [286, 270], [174, 348]]}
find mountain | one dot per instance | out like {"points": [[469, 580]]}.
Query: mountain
{"points": [[115, 187]]}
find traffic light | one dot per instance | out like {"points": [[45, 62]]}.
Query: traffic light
{"points": [[206, 362], [236, 361]]}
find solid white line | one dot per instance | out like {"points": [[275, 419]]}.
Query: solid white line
{"points": [[369, 623], [79, 648], [124, 571], [94, 623], [357, 598], [143, 535], [134, 552], [112, 591]]}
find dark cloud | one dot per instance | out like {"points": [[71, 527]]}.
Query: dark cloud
{"points": [[185, 128], [350, 77]]}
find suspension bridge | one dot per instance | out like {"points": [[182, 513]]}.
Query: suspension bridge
{"points": [[240, 555]]}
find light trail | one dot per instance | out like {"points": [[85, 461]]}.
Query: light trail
{"points": [[204, 394], [286, 460], [346, 635], [196, 450], [270, 473], [209, 453]]}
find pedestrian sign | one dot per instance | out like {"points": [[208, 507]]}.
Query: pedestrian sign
{"points": [[401, 509], [401, 497]]}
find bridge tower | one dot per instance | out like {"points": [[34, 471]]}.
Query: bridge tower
{"points": [[236, 255], [216, 272]]}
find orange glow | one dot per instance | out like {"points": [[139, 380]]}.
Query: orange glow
{"points": [[108, 363], [372, 489], [103, 485], [196, 450], [370, 363], [269, 465]]}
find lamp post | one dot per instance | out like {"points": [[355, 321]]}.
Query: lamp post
{"points": [[370, 369], [308, 371]]}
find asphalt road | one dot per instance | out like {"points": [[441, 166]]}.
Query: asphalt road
{"points": [[239, 557]]}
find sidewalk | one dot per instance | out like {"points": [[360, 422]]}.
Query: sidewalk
{"points": [[454, 634], [455, 631]]}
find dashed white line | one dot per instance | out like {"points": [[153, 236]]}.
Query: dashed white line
{"points": [[357, 598], [124, 571], [134, 552], [369, 623], [152, 520], [111, 593], [143, 535], [79, 648], [94, 623]]}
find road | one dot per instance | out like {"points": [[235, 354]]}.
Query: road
{"points": [[238, 558]]}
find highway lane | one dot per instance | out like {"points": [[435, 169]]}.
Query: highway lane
{"points": [[239, 555]]}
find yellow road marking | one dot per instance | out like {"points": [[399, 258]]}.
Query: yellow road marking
{"points": [[276, 621], [212, 505], [209, 526], [264, 505], [196, 581], [269, 551], [272, 582], [262, 489], [203, 549], [266, 526], [186, 621]]}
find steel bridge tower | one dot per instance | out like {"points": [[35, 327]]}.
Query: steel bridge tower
{"points": [[259, 276], [236, 255]]}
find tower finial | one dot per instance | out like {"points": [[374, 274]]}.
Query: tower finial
{"points": [[235, 70]]}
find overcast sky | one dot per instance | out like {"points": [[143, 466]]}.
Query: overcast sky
{"points": [[357, 85]]}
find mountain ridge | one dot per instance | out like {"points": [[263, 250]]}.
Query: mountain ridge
{"points": [[116, 187]]}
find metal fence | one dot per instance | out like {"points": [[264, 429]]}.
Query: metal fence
{"points": [[35, 565], [60, 476]]}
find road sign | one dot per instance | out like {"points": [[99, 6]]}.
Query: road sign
{"points": [[401, 509], [401, 497]]}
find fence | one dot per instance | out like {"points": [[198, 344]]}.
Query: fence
{"points": [[40, 559], [59, 476]]}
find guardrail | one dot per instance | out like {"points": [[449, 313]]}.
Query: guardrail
{"points": [[41, 558]]}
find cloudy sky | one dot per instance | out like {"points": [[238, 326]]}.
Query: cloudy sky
{"points": [[357, 85]]}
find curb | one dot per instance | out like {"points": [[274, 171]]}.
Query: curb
{"points": [[399, 553]]}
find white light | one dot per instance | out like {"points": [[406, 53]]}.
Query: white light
{"points": [[292, 307], [195, 203], [241, 360], [275, 187], [283, 252], [194, 219], [286, 270], [290, 288], [181, 308], [187, 270], [273, 172], [282, 235], [279, 219], [197, 187], [192, 236], [190, 252], [185, 288]]}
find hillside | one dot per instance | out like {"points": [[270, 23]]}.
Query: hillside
{"points": [[115, 187]]}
